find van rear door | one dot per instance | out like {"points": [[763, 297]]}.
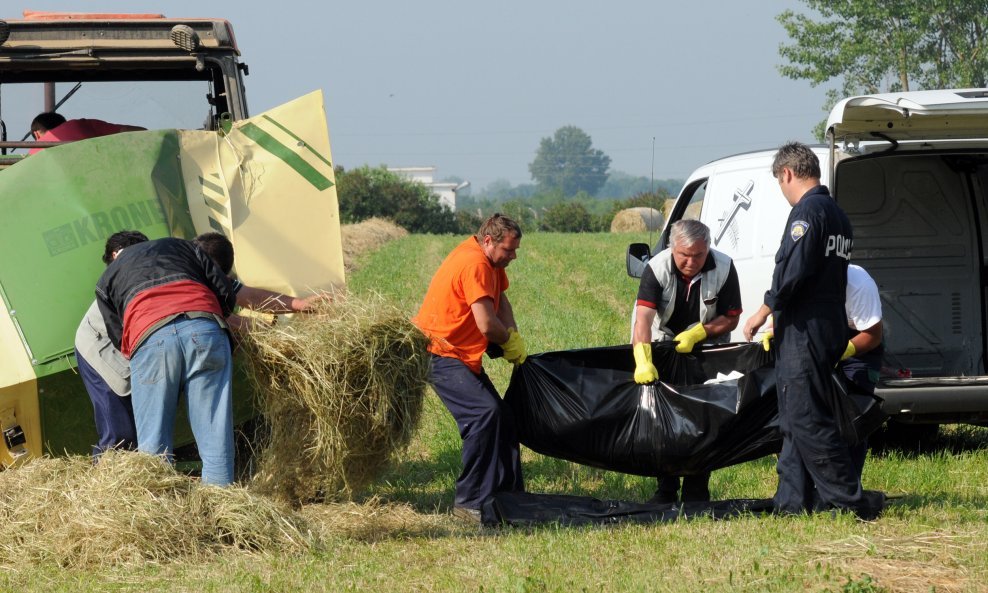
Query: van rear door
{"points": [[920, 115], [919, 216]]}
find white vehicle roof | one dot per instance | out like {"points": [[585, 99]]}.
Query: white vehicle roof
{"points": [[918, 115]]}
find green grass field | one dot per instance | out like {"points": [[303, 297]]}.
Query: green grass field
{"points": [[571, 291]]}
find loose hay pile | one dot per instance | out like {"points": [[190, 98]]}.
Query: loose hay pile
{"points": [[341, 391], [132, 508]]}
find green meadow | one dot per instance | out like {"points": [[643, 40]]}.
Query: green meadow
{"points": [[571, 291]]}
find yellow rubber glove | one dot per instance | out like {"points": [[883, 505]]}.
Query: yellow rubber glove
{"points": [[690, 338], [514, 348], [849, 351], [645, 371], [767, 340]]}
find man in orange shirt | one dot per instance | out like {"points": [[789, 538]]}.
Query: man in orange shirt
{"points": [[464, 311]]}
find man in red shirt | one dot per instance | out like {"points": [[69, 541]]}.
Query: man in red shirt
{"points": [[53, 127], [164, 304], [464, 311]]}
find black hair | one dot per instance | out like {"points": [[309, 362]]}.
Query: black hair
{"points": [[119, 240], [217, 247], [48, 120]]}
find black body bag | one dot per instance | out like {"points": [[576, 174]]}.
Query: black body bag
{"points": [[584, 406]]}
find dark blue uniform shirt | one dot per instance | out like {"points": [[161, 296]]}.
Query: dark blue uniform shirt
{"points": [[811, 264]]}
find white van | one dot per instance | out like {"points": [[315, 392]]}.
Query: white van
{"points": [[911, 172]]}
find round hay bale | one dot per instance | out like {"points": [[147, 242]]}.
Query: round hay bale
{"points": [[367, 236], [341, 392], [637, 220], [132, 508]]}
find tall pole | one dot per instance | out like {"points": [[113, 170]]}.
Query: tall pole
{"points": [[49, 96]]}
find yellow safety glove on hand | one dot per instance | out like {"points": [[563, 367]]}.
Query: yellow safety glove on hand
{"points": [[689, 338], [645, 371], [767, 340], [514, 348], [849, 351]]}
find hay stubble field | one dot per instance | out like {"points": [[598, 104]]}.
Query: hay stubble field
{"points": [[571, 291]]}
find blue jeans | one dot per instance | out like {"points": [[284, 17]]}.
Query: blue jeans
{"points": [[190, 356]]}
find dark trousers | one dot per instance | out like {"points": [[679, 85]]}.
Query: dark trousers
{"points": [[861, 373], [815, 467], [491, 457], [695, 488], [114, 414]]}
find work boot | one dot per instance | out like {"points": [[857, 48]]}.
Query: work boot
{"points": [[667, 491], [696, 488]]}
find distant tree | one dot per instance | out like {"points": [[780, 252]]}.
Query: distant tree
{"points": [[568, 162], [567, 217], [501, 190], [365, 192], [873, 46], [467, 222], [526, 216], [621, 185]]}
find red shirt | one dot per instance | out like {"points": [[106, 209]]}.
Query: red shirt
{"points": [[151, 306], [78, 129]]}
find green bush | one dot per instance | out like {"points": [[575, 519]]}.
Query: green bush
{"points": [[366, 192], [567, 217]]}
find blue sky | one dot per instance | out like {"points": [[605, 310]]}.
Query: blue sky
{"points": [[471, 88]]}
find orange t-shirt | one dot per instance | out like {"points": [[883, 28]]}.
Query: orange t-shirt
{"points": [[464, 277]]}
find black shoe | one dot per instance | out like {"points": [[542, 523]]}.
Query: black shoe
{"points": [[874, 504], [663, 497], [467, 514]]}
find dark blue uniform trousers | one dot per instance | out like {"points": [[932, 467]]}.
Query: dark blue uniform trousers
{"points": [[491, 457], [815, 467], [114, 414], [861, 373]]}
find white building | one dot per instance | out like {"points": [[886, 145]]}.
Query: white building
{"points": [[425, 176]]}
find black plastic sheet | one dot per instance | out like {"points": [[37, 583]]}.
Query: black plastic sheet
{"points": [[525, 509], [584, 406]]}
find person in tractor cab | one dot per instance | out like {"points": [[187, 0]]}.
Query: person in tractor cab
{"points": [[53, 127]]}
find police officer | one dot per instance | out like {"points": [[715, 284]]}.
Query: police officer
{"points": [[688, 293], [807, 300]]}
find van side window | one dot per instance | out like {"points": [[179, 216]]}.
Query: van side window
{"points": [[691, 202]]}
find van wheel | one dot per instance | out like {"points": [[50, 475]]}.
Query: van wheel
{"points": [[904, 436]]}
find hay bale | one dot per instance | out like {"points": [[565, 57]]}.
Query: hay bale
{"points": [[132, 508], [365, 237], [341, 391], [636, 220]]}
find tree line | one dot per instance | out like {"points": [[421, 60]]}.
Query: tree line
{"points": [[876, 46], [572, 192], [366, 192]]}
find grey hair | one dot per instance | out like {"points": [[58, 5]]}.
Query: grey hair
{"points": [[687, 231]]}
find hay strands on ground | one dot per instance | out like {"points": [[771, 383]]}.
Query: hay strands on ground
{"points": [[133, 508]]}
